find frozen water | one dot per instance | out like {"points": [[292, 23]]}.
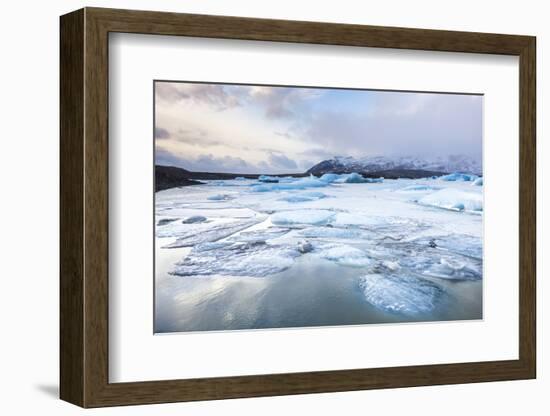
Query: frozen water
{"points": [[455, 200], [304, 216], [331, 232], [408, 258], [478, 182], [419, 188], [303, 197], [400, 294], [218, 197], [260, 235], [239, 259], [296, 198], [344, 255], [213, 233]]}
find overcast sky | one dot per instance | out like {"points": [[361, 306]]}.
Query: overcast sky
{"points": [[253, 129]]}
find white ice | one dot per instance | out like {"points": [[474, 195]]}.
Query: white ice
{"points": [[454, 199], [401, 294]]}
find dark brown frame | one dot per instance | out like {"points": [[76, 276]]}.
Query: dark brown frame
{"points": [[84, 207]]}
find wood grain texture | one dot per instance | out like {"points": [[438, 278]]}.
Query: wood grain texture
{"points": [[84, 207], [71, 208]]}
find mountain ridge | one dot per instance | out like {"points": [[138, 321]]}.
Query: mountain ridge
{"points": [[368, 164]]}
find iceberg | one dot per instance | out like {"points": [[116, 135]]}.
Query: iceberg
{"points": [[354, 178], [268, 179], [239, 259], [344, 255], [454, 200], [305, 216], [478, 182], [329, 177], [457, 176], [302, 183], [409, 296]]}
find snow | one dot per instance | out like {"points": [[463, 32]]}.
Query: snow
{"points": [[454, 199], [401, 294]]}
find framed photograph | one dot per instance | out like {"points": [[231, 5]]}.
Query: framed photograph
{"points": [[255, 207]]}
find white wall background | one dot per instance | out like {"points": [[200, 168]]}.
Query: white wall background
{"points": [[29, 211]]}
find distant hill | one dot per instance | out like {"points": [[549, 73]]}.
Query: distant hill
{"points": [[167, 177], [171, 177], [370, 164]]}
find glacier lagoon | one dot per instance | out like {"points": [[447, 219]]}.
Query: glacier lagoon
{"points": [[316, 251]]}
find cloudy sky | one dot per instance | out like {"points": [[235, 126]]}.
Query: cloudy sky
{"points": [[259, 129]]}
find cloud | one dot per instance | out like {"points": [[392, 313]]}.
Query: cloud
{"points": [[282, 102], [281, 161], [161, 133], [209, 94], [407, 125]]}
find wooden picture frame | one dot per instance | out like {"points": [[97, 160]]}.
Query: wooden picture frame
{"points": [[84, 216]]}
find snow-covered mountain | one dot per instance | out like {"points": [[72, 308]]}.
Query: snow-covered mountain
{"points": [[348, 164]]}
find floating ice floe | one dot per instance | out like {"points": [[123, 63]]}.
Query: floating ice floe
{"points": [[219, 197], [454, 199], [296, 198], [457, 176], [305, 216], [329, 177], [409, 296], [214, 233], [419, 188], [268, 179], [478, 182], [303, 197], [425, 257], [194, 219], [239, 259], [290, 184], [260, 235], [453, 269], [357, 178], [331, 232], [464, 244], [344, 255]]}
